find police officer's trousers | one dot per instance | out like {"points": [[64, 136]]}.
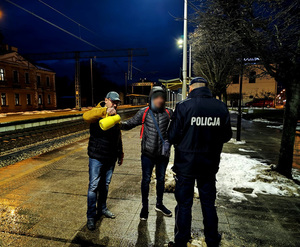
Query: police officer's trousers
{"points": [[184, 194]]}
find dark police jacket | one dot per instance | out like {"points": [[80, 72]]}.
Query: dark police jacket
{"points": [[151, 142], [199, 127]]}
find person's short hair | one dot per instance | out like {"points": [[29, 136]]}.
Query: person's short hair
{"points": [[198, 84]]}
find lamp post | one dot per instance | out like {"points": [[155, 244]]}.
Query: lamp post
{"points": [[184, 59]]}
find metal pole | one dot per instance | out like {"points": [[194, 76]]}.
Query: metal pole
{"points": [[239, 119], [190, 62], [77, 83], [92, 81], [125, 100], [184, 60]]}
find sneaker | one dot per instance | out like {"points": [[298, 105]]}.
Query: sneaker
{"points": [[108, 214], [164, 210], [91, 224], [144, 213]]}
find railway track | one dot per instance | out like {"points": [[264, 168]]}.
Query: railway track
{"points": [[22, 144]]}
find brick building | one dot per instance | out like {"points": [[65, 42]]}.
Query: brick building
{"points": [[25, 86]]}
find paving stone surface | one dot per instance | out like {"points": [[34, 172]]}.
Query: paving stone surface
{"points": [[43, 203]]}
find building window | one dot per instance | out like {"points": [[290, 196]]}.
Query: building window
{"points": [[252, 77], [16, 76], [38, 80], [1, 74], [3, 99], [28, 99], [40, 101], [235, 79], [48, 81], [49, 99], [27, 78], [17, 99]]}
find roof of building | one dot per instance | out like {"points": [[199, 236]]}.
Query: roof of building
{"points": [[16, 58]]}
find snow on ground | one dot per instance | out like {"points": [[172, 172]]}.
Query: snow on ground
{"points": [[240, 175], [246, 150], [261, 120], [234, 141], [280, 127]]}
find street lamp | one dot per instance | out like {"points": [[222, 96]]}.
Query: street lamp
{"points": [[180, 45], [184, 59]]}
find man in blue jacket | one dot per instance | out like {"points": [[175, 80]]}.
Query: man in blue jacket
{"points": [[199, 127]]}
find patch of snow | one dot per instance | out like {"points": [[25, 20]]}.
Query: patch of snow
{"points": [[234, 141], [238, 173], [275, 126], [233, 112], [281, 127], [261, 120], [233, 128], [246, 150]]}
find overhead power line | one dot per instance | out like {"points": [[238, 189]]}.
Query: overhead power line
{"points": [[69, 18], [54, 25]]}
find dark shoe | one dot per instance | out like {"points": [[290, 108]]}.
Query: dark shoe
{"points": [[215, 244], [91, 224], [108, 214], [164, 210], [144, 213]]}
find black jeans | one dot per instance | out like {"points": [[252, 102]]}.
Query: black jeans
{"points": [[147, 169], [184, 194]]}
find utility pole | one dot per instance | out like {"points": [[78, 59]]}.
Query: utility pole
{"points": [[125, 101], [92, 81], [239, 119], [190, 62], [77, 82], [184, 60]]}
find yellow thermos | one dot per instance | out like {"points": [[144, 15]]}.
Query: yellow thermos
{"points": [[109, 122]]}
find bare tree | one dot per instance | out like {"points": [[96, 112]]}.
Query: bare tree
{"points": [[269, 29]]}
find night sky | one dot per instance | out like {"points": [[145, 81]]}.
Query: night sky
{"points": [[118, 24]]}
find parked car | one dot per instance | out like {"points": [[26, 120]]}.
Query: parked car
{"points": [[260, 103]]}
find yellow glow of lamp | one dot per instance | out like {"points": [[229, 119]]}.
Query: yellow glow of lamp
{"points": [[109, 122]]}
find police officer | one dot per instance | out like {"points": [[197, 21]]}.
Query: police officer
{"points": [[200, 126]]}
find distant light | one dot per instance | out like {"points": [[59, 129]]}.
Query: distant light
{"points": [[180, 43], [1, 14]]}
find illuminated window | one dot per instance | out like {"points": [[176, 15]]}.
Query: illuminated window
{"points": [[40, 101], [3, 99], [17, 99], [1, 74], [28, 99]]}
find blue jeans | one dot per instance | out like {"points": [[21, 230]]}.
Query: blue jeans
{"points": [[184, 194], [99, 179], [147, 169]]}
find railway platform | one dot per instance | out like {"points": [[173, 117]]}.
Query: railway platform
{"points": [[43, 203]]}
